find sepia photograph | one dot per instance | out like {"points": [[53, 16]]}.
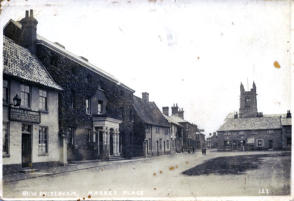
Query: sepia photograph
{"points": [[146, 99]]}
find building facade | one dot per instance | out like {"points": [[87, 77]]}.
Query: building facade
{"points": [[176, 131], [95, 109], [211, 141], [251, 130], [30, 132], [200, 140], [152, 137], [188, 141]]}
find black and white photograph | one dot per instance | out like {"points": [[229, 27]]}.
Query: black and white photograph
{"points": [[146, 99]]}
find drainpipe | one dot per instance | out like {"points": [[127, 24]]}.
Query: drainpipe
{"points": [[151, 143]]}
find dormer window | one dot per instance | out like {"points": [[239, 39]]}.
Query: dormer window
{"points": [[43, 105], [100, 107], [25, 94], [88, 106]]}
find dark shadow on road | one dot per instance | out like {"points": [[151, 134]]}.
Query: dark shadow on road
{"points": [[231, 164]]}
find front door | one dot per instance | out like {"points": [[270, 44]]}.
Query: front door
{"points": [[26, 150], [111, 143], [100, 143], [270, 144]]}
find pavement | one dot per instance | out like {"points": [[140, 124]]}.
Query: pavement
{"points": [[70, 167]]}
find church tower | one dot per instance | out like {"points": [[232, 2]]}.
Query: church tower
{"points": [[248, 102]]}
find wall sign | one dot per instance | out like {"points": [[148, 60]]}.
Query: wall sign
{"points": [[19, 114]]}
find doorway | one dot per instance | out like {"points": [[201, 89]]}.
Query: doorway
{"points": [[270, 144], [111, 142], [26, 146], [100, 143]]}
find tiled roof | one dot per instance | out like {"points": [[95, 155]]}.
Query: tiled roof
{"points": [[149, 112], [57, 48], [19, 62], [172, 120], [256, 123]]}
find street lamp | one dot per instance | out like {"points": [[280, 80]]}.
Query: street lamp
{"points": [[16, 100]]}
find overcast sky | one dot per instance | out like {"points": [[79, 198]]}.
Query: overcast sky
{"points": [[194, 53]]}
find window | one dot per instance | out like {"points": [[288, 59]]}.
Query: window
{"points": [[71, 136], [25, 95], [131, 115], [100, 104], [288, 141], [157, 130], [160, 144], [260, 143], [247, 102], [166, 131], [26, 129], [73, 100], [5, 137], [5, 92], [43, 140], [88, 79], [167, 144], [43, 100], [90, 135], [88, 106]]}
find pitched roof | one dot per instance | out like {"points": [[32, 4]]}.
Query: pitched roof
{"points": [[149, 112], [54, 46], [19, 62], [256, 123], [173, 120]]}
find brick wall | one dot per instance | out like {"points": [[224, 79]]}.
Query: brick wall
{"points": [[265, 135]]}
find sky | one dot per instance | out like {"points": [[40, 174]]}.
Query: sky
{"points": [[193, 53]]}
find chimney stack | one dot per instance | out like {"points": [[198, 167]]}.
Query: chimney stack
{"points": [[165, 111], [145, 97], [181, 113], [289, 114], [175, 109], [28, 34]]}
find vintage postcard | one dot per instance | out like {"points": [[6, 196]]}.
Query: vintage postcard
{"points": [[146, 100]]}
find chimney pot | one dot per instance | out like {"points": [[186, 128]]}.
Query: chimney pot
{"points": [[31, 13], [27, 13], [145, 97]]}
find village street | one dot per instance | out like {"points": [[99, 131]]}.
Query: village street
{"points": [[250, 173]]}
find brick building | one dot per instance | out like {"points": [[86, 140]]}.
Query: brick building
{"points": [[251, 130], [95, 109], [30, 112], [152, 137]]}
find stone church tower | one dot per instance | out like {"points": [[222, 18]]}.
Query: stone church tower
{"points": [[248, 102]]}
